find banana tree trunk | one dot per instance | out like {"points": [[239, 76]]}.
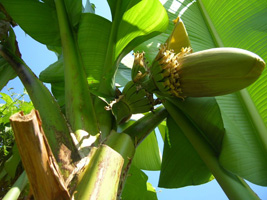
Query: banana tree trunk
{"points": [[40, 165]]}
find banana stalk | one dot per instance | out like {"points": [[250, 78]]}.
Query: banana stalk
{"points": [[53, 122], [79, 107], [104, 118], [16, 189], [101, 178], [141, 128]]}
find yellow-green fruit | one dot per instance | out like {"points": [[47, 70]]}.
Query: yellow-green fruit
{"points": [[212, 72]]}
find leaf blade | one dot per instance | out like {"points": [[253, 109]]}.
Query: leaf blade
{"points": [[34, 17]]}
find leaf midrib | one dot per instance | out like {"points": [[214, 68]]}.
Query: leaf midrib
{"points": [[243, 95]]}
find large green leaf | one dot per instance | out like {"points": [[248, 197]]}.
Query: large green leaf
{"points": [[39, 18], [36, 18], [104, 43], [93, 37], [209, 120], [133, 26], [177, 169], [233, 186], [177, 148], [239, 24], [248, 32]]}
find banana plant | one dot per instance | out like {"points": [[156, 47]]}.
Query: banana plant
{"points": [[198, 75]]}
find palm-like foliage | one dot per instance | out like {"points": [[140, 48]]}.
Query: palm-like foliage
{"points": [[223, 136]]}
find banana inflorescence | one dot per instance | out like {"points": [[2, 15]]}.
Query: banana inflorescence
{"points": [[177, 72]]}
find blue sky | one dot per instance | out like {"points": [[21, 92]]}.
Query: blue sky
{"points": [[38, 58]]}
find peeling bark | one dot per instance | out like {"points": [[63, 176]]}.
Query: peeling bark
{"points": [[40, 165]]}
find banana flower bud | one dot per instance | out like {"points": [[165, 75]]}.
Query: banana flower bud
{"points": [[212, 72]]}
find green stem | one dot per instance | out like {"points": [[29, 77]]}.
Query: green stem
{"points": [[124, 145], [105, 118], [18, 186], [107, 84], [102, 176], [233, 186], [126, 142], [54, 123], [141, 128], [79, 107], [135, 134]]}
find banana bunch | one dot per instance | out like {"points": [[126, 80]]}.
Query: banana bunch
{"points": [[134, 99]]}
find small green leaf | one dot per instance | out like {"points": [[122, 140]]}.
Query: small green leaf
{"points": [[136, 186], [12, 163], [147, 155], [6, 98], [53, 73], [6, 73]]}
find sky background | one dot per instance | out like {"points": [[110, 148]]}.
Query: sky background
{"points": [[38, 58]]}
